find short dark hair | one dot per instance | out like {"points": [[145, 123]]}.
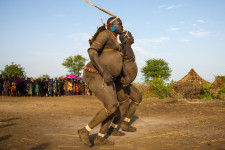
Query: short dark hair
{"points": [[110, 19]]}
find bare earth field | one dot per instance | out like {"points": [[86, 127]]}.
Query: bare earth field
{"points": [[51, 123]]}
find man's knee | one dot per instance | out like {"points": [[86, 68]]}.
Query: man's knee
{"points": [[137, 99], [111, 108]]}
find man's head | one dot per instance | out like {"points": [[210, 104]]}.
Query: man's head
{"points": [[115, 24], [126, 37]]}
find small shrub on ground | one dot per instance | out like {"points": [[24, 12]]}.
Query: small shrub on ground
{"points": [[160, 88], [221, 93], [206, 91]]}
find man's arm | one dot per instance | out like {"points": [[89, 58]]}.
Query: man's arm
{"points": [[125, 79], [94, 57]]}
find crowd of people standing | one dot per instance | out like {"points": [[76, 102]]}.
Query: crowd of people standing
{"points": [[42, 87]]}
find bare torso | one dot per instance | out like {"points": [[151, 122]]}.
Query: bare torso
{"points": [[110, 56]]}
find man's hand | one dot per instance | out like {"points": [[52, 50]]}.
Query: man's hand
{"points": [[125, 80]]}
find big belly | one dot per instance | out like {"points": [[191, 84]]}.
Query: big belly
{"points": [[112, 61], [131, 68]]}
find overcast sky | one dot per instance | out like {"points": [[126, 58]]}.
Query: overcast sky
{"points": [[40, 34]]}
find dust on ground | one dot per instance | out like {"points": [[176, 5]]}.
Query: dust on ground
{"points": [[51, 123]]}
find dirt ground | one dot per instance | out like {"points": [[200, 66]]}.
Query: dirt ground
{"points": [[51, 123]]}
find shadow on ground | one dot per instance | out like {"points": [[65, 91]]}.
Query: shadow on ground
{"points": [[6, 137], [7, 120], [41, 146]]}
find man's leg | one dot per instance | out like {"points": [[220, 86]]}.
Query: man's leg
{"points": [[136, 98], [123, 100], [105, 93]]}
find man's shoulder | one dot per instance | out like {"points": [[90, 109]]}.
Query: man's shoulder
{"points": [[105, 32], [102, 36]]}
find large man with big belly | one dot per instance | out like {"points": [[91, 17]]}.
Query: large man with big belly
{"points": [[106, 64]]}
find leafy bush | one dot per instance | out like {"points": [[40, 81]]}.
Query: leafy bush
{"points": [[206, 91], [221, 92], [160, 88]]}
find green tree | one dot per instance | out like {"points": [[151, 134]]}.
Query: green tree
{"points": [[156, 68], [46, 76], [74, 64], [13, 70]]}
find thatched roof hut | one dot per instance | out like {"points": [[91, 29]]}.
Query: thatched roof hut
{"points": [[190, 85], [218, 83], [217, 86]]}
